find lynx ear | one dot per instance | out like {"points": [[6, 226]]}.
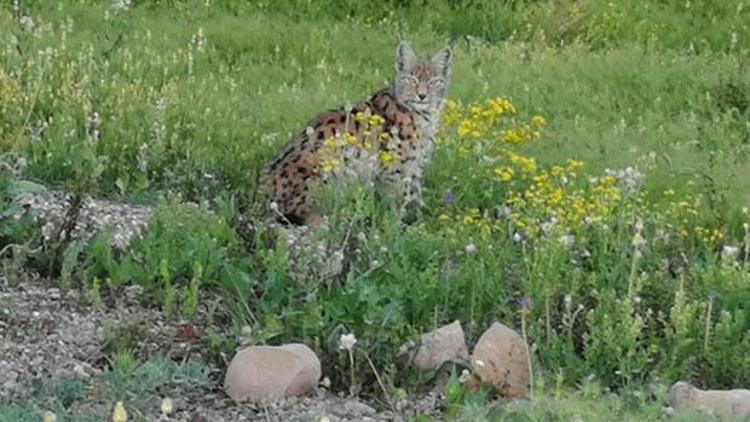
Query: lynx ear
{"points": [[405, 57], [442, 61]]}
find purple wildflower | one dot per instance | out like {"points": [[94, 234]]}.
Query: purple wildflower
{"points": [[449, 198]]}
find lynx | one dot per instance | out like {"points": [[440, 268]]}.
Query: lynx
{"points": [[386, 140]]}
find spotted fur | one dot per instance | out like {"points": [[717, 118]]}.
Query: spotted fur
{"points": [[410, 110]]}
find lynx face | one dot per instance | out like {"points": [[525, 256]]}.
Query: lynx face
{"points": [[421, 84]]}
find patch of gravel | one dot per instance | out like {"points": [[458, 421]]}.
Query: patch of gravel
{"points": [[47, 334], [64, 216]]}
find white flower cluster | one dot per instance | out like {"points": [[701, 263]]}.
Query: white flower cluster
{"points": [[630, 178]]}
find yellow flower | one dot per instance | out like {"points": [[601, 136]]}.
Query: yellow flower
{"points": [[504, 173], [512, 137], [386, 157], [350, 139], [574, 164], [527, 164], [376, 120], [538, 121], [464, 128], [330, 165]]}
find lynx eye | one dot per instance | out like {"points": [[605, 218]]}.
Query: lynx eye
{"points": [[436, 83], [409, 80]]}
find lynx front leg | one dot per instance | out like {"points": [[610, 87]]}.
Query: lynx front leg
{"points": [[413, 172], [411, 202]]}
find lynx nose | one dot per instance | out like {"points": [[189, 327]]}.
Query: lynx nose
{"points": [[421, 96]]}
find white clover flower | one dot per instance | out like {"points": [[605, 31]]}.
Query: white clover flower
{"points": [[470, 248], [325, 382], [246, 331], [504, 211], [638, 240], [465, 375], [517, 237], [273, 206], [122, 4], [568, 240], [27, 22], [729, 251], [347, 342], [166, 406], [568, 300]]}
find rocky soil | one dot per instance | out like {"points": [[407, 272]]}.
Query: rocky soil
{"points": [[48, 334]]}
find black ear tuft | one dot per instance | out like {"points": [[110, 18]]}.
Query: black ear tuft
{"points": [[442, 61], [405, 57]]}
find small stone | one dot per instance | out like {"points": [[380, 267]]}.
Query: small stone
{"points": [[358, 409], [504, 358], [731, 403], [440, 345], [271, 372]]}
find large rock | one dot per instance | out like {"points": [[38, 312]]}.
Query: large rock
{"points": [[440, 345], [501, 358], [269, 372], [728, 403]]}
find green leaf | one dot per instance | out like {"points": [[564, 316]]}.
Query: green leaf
{"points": [[19, 187], [11, 210]]}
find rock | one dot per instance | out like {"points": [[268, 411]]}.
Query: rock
{"points": [[731, 403], [440, 345], [501, 358], [357, 409], [270, 372]]}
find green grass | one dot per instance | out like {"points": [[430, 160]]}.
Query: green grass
{"points": [[140, 384], [194, 96]]}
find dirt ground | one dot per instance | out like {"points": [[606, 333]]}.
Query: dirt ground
{"points": [[49, 334]]}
